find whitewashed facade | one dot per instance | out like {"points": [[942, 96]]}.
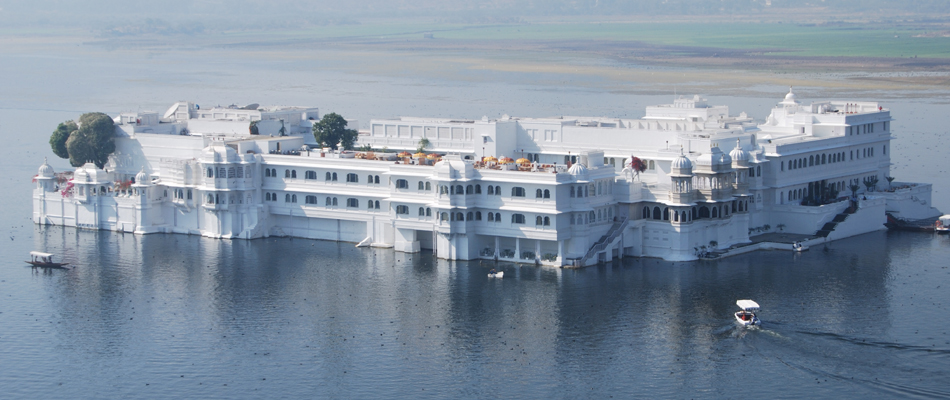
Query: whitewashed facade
{"points": [[711, 181]]}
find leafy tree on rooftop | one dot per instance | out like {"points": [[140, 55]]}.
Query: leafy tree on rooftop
{"points": [[91, 140], [331, 132]]}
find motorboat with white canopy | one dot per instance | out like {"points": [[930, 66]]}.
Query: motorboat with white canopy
{"points": [[746, 316]]}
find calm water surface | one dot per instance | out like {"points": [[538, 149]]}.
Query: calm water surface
{"points": [[170, 316]]}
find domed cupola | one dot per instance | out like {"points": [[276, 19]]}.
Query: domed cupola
{"points": [[739, 157], [789, 98], [142, 178], [681, 166], [46, 171], [579, 171]]}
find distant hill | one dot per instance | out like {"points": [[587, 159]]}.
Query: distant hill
{"points": [[194, 16]]}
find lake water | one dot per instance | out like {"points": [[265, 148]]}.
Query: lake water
{"points": [[172, 316]]}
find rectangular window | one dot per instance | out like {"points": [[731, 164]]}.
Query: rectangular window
{"points": [[402, 184], [402, 209]]}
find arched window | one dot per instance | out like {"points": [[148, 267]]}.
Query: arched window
{"points": [[334, 201], [478, 189], [591, 216], [376, 204], [444, 217], [538, 220], [478, 215], [369, 204], [421, 187], [497, 217], [469, 216], [823, 158], [458, 189], [646, 212], [210, 172], [715, 212], [497, 190], [334, 177], [293, 198], [376, 179], [286, 173], [811, 161], [459, 217], [470, 190], [666, 214], [369, 179], [538, 194], [704, 212], [517, 218], [491, 217], [683, 216], [210, 199], [547, 221], [656, 213], [491, 189], [428, 186], [758, 170], [572, 191], [547, 194], [266, 196], [328, 176], [428, 212], [287, 198], [328, 201], [422, 211]]}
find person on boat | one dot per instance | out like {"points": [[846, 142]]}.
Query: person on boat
{"points": [[492, 272]]}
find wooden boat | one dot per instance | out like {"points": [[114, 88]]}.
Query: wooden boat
{"points": [[499, 274], [45, 260], [746, 316]]}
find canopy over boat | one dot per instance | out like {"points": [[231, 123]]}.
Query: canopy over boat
{"points": [[40, 254], [747, 305]]}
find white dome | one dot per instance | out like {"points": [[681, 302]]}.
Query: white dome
{"points": [[46, 171], [738, 154], [577, 169], [142, 178], [682, 162]]}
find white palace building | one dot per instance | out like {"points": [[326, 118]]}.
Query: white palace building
{"points": [[711, 181]]}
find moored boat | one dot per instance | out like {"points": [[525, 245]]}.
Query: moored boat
{"points": [[746, 316], [45, 260], [943, 224], [498, 274]]}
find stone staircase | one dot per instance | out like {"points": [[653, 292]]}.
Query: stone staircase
{"points": [[612, 235], [830, 226]]}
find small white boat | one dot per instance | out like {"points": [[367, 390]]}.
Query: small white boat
{"points": [[943, 224], [45, 260], [499, 274], [746, 316], [799, 247]]}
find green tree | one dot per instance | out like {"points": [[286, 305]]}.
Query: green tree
{"points": [[58, 139], [331, 131], [423, 143], [93, 141]]}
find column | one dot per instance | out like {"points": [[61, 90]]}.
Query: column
{"points": [[517, 248]]}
